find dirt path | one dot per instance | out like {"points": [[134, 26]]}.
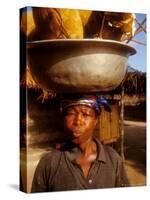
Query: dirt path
{"points": [[135, 152]]}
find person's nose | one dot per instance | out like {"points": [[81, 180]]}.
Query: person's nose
{"points": [[78, 119]]}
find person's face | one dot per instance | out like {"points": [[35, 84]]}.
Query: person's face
{"points": [[79, 123]]}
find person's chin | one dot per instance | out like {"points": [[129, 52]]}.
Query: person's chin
{"points": [[77, 139]]}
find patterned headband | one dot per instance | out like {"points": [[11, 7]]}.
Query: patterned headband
{"points": [[94, 103]]}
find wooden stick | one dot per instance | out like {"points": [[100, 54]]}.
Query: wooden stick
{"points": [[122, 124], [137, 30], [102, 26], [138, 42], [141, 24]]}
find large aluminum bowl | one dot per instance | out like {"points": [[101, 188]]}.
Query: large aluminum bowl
{"points": [[74, 65]]}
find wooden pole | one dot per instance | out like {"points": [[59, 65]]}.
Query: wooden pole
{"points": [[122, 124], [141, 24], [138, 30], [102, 27], [138, 42]]}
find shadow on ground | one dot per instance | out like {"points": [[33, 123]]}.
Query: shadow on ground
{"points": [[135, 152], [14, 186]]}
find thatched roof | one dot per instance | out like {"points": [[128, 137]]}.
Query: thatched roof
{"points": [[134, 83], [28, 81]]}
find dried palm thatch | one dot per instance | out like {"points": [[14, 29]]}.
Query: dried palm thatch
{"points": [[134, 83], [27, 81]]}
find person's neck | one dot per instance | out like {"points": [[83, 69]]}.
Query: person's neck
{"points": [[88, 147]]}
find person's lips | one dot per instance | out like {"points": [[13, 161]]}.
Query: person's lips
{"points": [[76, 132]]}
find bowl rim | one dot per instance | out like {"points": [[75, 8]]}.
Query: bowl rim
{"points": [[60, 42]]}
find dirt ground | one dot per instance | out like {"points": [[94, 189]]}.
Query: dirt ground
{"points": [[135, 152]]}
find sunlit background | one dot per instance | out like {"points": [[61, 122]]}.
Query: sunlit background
{"points": [[138, 61]]}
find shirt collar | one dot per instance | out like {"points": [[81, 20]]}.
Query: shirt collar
{"points": [[75, 151], [100, 150]]}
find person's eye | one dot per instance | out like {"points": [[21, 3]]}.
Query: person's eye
{"points": [[70, 113], [86, 114]]}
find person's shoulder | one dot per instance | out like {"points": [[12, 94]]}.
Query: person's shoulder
{"points": [[50, 156], [110, 150], [111, 153]]}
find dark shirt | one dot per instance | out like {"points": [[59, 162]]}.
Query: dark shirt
{"points": [[58, 171]]}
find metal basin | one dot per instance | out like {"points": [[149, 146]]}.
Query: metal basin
{"points": [[74, 65]]}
